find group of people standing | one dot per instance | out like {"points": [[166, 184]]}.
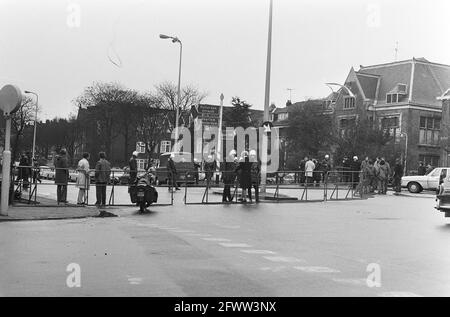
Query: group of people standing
{"points": [[370, 176], [313, 171], [102, 176], [28, 170], [245, 170]]}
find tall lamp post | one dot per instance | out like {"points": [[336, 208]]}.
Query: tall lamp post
{"points": [[176, 40], [406, 150], [35, 123], [266, 101]]}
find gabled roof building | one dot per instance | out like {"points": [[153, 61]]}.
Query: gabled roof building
{"points": [[401, 98]]}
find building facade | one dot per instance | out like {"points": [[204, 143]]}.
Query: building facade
{"points": [[401, 98]]}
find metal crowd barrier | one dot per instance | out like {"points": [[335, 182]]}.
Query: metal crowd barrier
{"points": [[28, 184], [283, 186]]}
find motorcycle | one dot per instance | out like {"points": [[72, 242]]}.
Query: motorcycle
{"points": [[142, 192]]}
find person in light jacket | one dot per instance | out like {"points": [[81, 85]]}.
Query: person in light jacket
{"points": [[309, 171], [83, 180]]}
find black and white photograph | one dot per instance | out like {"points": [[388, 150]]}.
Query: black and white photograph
{"points": [[221, 156]]}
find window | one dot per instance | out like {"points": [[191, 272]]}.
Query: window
{"points": [[392, 98], [391, 126], [140, 147], [433, 160], [165, 146], [429, 129], [347, 126], [141, 164], [349, 102], [282, 116]]}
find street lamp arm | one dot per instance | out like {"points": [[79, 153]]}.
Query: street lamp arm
{"points": [[342, 86]]}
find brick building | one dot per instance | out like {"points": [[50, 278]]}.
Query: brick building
{"points": [[401, 98]]}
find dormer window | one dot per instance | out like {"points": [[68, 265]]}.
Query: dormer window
{"points": [[391, 98], [349, 102], [397, 94]]}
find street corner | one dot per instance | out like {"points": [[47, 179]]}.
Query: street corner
{"points": [[48, 213]]}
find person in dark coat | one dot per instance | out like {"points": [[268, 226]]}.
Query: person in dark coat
{"points": [[326, 167], [318, 171], [355, 167], [255, 175], [210, 167], [422, 170], [133, 168], [244, 173], [398, 174], [346, 169], [228, 176], [61, 176], [197, 168], [25, 169], [302, 170], [102, 177], [172, 173]]}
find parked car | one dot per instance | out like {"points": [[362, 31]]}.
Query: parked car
{"points": [[116, 174], [72, 176], [124, 179], [416, 183], [47, 172]]}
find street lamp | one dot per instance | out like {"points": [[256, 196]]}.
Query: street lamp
{"points": [[406, 150], [342, 86], [35, 123], [176, 40]]}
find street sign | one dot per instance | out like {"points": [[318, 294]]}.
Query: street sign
{"points": [[10, 99], [209, 114]]}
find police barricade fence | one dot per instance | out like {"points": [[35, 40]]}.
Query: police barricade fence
{"points": [[282, 186], [30, 186]]}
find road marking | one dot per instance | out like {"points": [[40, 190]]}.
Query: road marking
{"points": [[316, 269], [228, 227], [182, 231], [398, 294], [235, 245], [134, 280], [215, 239], [273, 269], [251, 251], [282, 259], [198, 235], [351, 281], [168, 228]]}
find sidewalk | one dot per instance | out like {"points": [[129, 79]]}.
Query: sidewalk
{"points": [[22, 211], [48, 213]]}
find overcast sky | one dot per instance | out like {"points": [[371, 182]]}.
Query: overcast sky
{"points": [[58, 47]]}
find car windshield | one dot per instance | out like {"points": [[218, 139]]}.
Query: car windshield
{"points": [[435, 172]]}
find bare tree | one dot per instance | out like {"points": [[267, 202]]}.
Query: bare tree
{"points": [[166, 95], [19, 121]]}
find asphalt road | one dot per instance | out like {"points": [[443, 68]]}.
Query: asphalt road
{"points": [[269, 249]]}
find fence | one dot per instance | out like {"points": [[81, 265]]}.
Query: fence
{"points": [[285, 186], [33, 186]]}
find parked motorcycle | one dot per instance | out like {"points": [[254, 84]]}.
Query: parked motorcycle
{"points": [[142, 192]]}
